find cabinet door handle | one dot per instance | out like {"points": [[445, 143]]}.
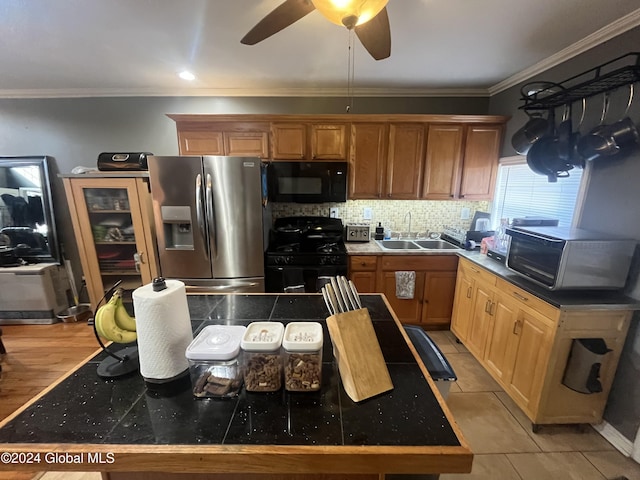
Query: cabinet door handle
{"points": [[469, 292], [492, 308], [520, 297], [137, 260], [486, 306], [474, 270], [517, 326]]}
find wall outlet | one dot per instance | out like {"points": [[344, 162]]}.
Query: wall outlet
{"points": [[334, 212], [366, 214], [464, 213]]}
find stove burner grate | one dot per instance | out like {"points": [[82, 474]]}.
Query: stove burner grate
{"points": [[288, 248]]}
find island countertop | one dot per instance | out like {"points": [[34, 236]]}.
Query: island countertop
{"points": [[119, 426]]}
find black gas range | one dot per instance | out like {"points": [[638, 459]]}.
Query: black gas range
{"points": [[302, 252]]}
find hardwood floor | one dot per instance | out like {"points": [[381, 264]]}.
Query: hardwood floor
{"points": [[37, 355]]}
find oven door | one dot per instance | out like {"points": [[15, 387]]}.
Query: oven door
{"points": [[535, 257], [298, 279], [307, 182]]}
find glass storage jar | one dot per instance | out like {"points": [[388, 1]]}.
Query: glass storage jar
{"points": [[214, 363], [262, 364], [302, 344]]}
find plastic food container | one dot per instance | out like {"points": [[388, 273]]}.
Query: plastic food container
{"points": [[302, 345], [214, 363], [262, 364]]}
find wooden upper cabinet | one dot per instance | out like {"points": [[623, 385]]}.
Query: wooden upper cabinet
{"points": [[443, 162], [300, 141], [328, 142], [223, 139], [367, 159], [461, 161], [405, 160], [200, 142], [481, 153], [246, 144], [289, 141]]}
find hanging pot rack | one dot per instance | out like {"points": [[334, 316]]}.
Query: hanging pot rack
{"points": [[603, 78]]}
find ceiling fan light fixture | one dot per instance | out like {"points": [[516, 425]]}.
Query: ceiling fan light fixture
{"points": [[187, 75], [349, 13]]}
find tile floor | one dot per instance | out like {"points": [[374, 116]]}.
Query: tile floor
{"points": [[500, 435]]}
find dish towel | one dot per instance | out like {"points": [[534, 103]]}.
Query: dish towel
{"points": [[405, 284]]}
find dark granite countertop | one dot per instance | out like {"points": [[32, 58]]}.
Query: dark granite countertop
{"points": [[85, 409], [563, 299]]}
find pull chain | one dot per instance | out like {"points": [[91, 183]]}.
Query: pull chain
{"points": [[350, 72]]}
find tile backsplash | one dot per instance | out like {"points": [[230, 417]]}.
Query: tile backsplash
{"points": [[426, 215]]}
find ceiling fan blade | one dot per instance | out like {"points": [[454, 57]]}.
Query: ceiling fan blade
{"points": [[375, 35], [285, 14]]}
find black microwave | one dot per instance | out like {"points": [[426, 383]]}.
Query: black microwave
{"points": [[307, 182]]}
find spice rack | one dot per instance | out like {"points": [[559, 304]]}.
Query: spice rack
{"points": [[616, 73]]}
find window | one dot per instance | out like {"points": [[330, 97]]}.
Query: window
{"points": [[520, 192]]}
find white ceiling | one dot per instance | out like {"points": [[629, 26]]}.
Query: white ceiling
{"points": [[65, 48]]}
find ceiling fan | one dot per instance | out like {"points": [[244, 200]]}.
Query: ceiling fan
{"points": [[367, 18]]}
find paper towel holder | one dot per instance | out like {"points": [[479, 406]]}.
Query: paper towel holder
{"points": [[116, 365]]}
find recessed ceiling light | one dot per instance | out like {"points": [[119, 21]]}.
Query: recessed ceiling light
{"points": [[186, 75]]}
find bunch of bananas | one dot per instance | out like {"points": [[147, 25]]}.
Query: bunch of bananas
{"points": [[114, 323]]}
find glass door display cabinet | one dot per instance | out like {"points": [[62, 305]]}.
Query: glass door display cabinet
{"points": [[113, 225]]}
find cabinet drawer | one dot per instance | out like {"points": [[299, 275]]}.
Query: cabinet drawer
{"points": [[363, 262], [471, 270], [527, 299], [418, 262]]}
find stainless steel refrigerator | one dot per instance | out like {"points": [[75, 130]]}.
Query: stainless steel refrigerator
{"points": [[209, 221]]}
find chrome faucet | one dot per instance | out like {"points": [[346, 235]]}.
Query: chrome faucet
{"points": [[405, 219]]}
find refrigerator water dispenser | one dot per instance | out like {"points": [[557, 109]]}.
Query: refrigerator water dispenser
{"points": [[178, 231]]}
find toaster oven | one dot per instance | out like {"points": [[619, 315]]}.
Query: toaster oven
{"points": [[558, 258]]}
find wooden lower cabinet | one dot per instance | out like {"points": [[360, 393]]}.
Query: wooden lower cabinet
{"points": [[407, 310], [434, 289], [438, 292], [525, 344], [470, 316], [480, 319], [517, 351], [362, 272]]}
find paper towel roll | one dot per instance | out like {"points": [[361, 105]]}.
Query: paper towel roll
{"points": [[164, 330]]}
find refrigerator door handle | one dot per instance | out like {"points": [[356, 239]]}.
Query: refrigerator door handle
{"points": [[199, 216], [211, 221]]}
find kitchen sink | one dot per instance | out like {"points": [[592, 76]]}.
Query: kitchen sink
{"points": [[416, 245], [436, 244], [398, 244]]}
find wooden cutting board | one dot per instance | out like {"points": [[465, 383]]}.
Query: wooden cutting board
{"points": [[360, 361]]}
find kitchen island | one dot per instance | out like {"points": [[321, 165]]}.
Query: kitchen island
{"points": [[118, 426]]}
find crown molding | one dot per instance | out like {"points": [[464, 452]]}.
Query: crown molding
{"points": [[620, 26], [244, 92]]}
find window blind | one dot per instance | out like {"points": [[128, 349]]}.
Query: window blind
{"points": [[522, 193]]}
